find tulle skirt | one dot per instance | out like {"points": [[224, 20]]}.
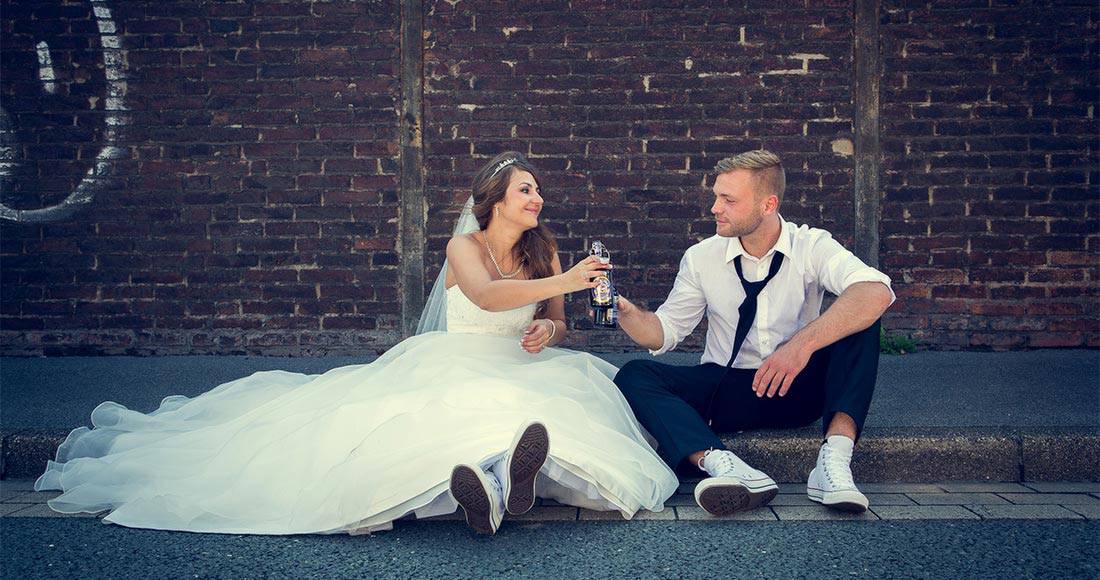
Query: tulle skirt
{"points": [[355, 448]]}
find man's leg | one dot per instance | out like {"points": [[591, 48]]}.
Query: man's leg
{"points": [[836, 386], [668, 401], [849, 382], [671, 402]]}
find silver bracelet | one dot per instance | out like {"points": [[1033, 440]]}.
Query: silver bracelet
{"points": [[553, 330]]}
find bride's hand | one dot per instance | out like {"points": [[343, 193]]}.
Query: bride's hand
{"points": [[535, 338], [581, 275]]}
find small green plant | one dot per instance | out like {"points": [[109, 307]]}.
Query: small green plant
{"points": [[895, 343]]}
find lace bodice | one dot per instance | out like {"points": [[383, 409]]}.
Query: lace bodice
{"points": [[465, 316]]}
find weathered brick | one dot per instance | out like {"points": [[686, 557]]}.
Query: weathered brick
{"points": [[264, 139]]}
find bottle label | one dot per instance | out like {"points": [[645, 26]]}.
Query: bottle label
{"points": [[602, 291]]}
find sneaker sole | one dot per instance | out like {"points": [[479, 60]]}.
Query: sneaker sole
{"points": [[725, 499], [528, 456], [469, 491], [840, 504]]}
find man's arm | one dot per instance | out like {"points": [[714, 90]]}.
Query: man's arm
{"points": [[679, 315], [863, 295], [857, 308]]}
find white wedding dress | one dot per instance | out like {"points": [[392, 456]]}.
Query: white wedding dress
{"points": [[359, 446]]}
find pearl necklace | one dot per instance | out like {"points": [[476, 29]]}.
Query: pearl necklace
{"points": [[497, 265]]}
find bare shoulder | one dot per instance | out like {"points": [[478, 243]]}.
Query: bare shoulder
{"points": [[463, 245]]}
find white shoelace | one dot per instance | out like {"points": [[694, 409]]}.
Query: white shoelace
{"points": [[498, 489], [720, 462], [837, 468]]}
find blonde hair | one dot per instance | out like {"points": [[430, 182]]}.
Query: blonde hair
{"points": [[765, 166]]}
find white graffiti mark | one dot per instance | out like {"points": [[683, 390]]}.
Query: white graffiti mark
{"points": [[7, 148], [115, 65], [45, 68]]}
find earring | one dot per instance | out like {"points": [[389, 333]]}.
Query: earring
{"points": [[497, 208]]}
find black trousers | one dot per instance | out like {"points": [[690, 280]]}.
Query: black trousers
{"points": [[670, 400]]}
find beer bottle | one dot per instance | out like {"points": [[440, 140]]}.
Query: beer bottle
{"points": [[602, 298]]}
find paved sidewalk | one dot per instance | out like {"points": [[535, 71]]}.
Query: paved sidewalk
{"points": [[1042, 388], [892, 501], [935, 416]]}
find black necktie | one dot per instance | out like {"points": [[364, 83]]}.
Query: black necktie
{"points": [[746, 314]]}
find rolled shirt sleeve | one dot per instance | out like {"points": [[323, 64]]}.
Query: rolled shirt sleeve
{"points": [[837, 268], [683, 309]]}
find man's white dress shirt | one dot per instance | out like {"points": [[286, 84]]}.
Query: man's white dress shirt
{"points": [[707, 282]]}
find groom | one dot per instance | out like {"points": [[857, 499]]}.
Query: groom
{"points": [[772, 359]]}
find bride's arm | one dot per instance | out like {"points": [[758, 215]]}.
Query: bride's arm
{"points": [[464, 257], [555, 310], [539, 334]]}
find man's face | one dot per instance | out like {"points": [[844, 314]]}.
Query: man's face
{"points": [[737, 210]]}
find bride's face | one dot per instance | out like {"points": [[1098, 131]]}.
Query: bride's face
{"points": [[522, 201]]}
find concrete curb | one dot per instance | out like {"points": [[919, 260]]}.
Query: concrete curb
{"points": [[889, 455], [929, 455]]}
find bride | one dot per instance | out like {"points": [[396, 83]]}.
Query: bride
{"points": [[477, 410]]}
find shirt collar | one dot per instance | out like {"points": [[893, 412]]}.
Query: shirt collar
{"points": [[782, 245]]}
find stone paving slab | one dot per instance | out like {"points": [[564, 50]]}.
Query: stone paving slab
{"points": [[924, 512], [1023, 512], [791, 499], [10, 494], [895, 488], [1051, 498], [667, 514], [1063, 486], [889, 499], [957, 498], [1090, 511], [980, 487], [548, 514], [818, 512], [7, 508], [696, 513]]}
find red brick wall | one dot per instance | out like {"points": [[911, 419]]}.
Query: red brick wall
{"points": [[625, 111], [989, 220], [256, 206], [256, 213]]}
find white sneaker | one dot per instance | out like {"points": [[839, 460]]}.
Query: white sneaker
{"points": [[521, 464], [480, 496], [830, 483], [733, 485]]}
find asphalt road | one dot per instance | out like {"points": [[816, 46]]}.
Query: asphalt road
{"points": [[1042, 388], [87, 548]]}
